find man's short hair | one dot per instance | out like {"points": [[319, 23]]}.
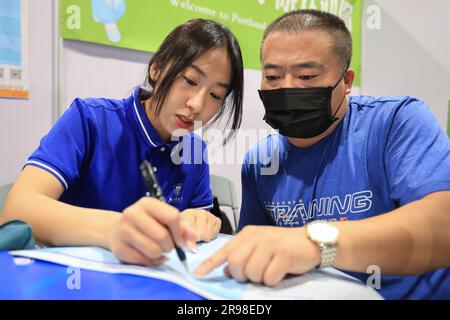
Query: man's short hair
{"points": [[304, 20]]}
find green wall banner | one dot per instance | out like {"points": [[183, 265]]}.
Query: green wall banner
{"points": [[143, 25]]}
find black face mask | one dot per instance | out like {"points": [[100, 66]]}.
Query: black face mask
{"points": [[299, 112]]}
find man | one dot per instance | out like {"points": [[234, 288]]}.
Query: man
{"points": [[375, 171]]}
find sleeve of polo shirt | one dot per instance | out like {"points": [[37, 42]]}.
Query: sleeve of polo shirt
{"points": [[64, 149], [417, 154]]}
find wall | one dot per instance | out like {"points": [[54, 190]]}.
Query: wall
{"points": [[410, 55], [24, 122], [92, 70]]}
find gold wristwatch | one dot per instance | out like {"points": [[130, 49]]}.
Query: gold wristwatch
{"points": [[325, 235]]}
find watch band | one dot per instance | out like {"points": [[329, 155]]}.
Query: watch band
{"points": [[327, 255], [325, 236]]}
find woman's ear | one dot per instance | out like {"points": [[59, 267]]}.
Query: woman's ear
{"points": [[154, 72]]}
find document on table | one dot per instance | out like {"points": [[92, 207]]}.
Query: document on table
{"points": [[317, 284]]}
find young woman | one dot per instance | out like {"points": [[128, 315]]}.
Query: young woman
{"points": [[86, 170]]}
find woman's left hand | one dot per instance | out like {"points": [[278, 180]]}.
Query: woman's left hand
{"points": [[205, 223]]}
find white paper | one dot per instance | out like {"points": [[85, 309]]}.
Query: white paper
{"points": [[324, 284]]}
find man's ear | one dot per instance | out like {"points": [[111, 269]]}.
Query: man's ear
{"points": [[348, 80]]}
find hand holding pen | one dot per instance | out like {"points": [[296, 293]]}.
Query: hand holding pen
{"points": [[155, 191], [145, 231]]}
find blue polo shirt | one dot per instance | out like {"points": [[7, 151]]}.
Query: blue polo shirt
{"points": [[95, 150], [385, 153]]}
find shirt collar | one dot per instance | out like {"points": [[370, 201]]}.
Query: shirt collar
{"points": [[144, 125]]}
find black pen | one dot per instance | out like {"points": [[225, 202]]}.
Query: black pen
{"points": [[155, 191]]}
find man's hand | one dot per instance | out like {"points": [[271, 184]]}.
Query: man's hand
{"points": [[265, 255], [146, 230], [205, 223]]}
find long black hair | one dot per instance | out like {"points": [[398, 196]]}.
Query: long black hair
{"points": [[182, 46]]}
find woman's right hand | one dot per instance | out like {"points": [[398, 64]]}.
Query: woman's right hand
{"points": [[146, 230]]}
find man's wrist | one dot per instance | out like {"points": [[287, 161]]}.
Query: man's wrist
{"points": [[325, 237], [314, 249]]}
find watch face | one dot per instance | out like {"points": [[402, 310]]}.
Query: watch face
{"points": [[323, 232]]}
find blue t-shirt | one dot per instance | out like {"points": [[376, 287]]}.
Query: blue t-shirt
{"points": [[385, 153], [95, 150]]}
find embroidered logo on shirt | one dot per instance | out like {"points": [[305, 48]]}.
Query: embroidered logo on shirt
{"points": [[177, 197]]}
